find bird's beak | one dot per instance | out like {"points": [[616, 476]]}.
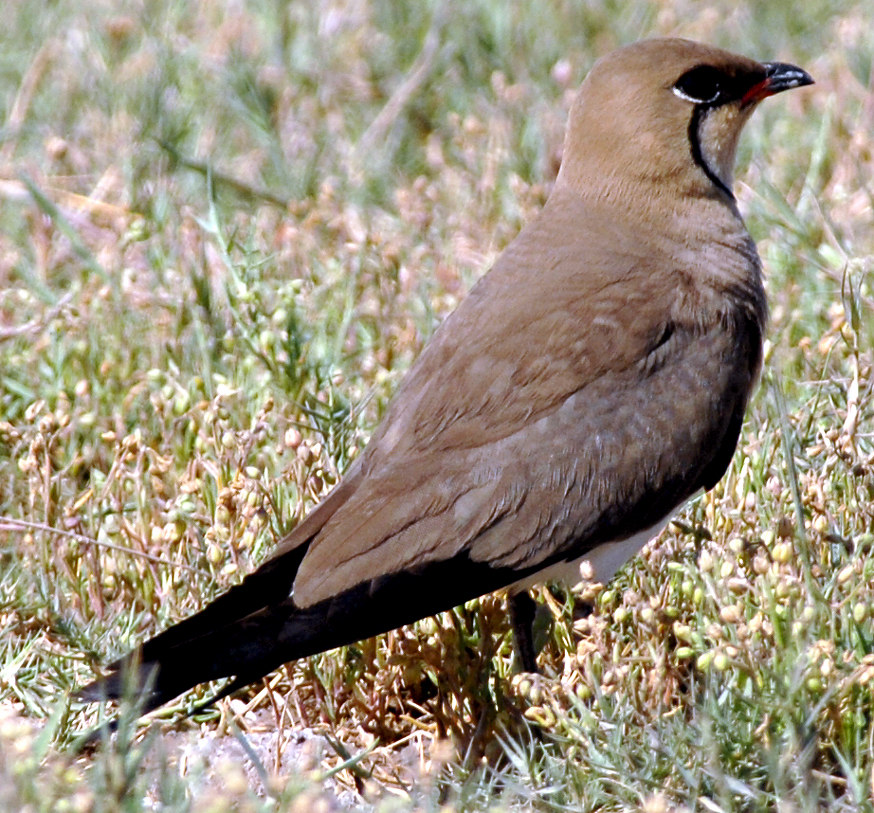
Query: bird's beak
{"points": [[779, 76]]}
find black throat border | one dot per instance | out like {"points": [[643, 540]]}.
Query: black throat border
{"points": [[699, 113]]}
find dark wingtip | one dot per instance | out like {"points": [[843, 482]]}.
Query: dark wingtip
{"points": [[131, 683], [94, 692], [101, 689], [128, 678]]}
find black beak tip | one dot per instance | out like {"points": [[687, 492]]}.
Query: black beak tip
{"points": [[781, 76]]}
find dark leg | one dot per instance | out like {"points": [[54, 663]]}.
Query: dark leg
{"points": [[582, 609], [522, 611]]}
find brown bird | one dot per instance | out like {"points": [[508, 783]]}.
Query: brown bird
{"points": [[592, 382]]}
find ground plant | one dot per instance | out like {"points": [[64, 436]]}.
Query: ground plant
{"points": [[226, 230]]}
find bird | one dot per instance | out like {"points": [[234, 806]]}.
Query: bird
{"points": [[591, 382]]}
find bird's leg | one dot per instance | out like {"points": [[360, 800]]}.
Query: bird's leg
{"points": [[523, 609], [582, 609]]}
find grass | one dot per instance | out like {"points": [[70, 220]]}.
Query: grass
{"points": [[225, 233]]}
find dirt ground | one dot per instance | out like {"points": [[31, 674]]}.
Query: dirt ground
{"points": [[267, 756]]}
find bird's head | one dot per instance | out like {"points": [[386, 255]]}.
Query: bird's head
{"points": [[666, 113]]}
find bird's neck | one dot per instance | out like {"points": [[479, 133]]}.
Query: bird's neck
{"points": [[703, 238]]}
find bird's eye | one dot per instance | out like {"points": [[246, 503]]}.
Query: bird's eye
{"points": [[702, 85]]}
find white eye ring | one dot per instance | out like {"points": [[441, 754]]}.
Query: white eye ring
{"points": [[688, 98]]}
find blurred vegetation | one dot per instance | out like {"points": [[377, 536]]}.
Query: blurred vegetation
{"points": [[226, 230]]}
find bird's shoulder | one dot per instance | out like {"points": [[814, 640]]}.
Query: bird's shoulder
{"points": [[580, 293]]}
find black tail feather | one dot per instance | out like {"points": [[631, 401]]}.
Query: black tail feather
{"points": [[219, 642]]}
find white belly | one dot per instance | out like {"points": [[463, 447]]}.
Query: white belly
{"points": [[605, 560]]}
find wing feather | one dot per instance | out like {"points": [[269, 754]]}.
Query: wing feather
{"points": [[518, 445]]}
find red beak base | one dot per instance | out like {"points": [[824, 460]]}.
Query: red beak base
{"points": [[779, 76]]}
